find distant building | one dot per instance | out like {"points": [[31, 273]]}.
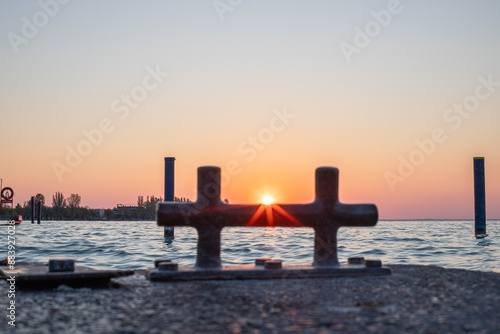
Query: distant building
{"points": [[124, 212]]}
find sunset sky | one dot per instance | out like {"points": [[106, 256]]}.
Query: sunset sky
{"points": [[399, 95]]}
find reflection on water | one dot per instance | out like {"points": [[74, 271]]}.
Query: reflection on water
{"points": [[168, 240], [133, 245]]}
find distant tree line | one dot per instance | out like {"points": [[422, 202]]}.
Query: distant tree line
{"points": [[62, 208], [146, 210], [68, 208]]}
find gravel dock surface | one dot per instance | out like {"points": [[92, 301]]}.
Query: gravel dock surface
{"points": [[414, 299]]}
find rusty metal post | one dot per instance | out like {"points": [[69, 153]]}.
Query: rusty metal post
{"points": [[209, 229], [325, 235]]}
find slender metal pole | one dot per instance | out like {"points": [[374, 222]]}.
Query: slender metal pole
{"points": [[39, 211], [479, 197], [32, 209], [168, 231], [169, 179]]}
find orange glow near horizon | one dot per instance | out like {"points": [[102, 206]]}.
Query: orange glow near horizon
{"points": [[451, 197]]}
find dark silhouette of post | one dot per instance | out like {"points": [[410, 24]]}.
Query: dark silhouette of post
{"points": [[168, 231], [169, 179], [32, 209], [38, 211], [479, 197]]}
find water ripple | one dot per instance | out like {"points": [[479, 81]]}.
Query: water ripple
{"points": [[134, 245]]}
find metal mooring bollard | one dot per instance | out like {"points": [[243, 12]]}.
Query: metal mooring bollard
{"points": [[209, 215]]}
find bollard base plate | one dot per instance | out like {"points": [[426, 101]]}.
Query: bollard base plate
{"points": [[37, 276], [190, 273]]}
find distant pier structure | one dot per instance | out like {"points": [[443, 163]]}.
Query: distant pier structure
{"points": [[169, 190], [36, 210], [479, 198]]}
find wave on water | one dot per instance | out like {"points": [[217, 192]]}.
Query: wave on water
{"points": [[135, 245]]}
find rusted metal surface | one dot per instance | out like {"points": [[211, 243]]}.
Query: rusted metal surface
{"points": [[61, 265], [272, 269]]}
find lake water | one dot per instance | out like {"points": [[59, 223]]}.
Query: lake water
{"points": [[135, 244]]}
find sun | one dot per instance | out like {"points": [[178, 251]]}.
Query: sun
{"points": [[267, 200]]}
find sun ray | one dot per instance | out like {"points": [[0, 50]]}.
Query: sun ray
{"points": [[287, 215], [269, 215], [256, 215]]}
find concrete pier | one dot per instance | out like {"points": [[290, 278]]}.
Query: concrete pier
{"points": [[414, 299]]}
